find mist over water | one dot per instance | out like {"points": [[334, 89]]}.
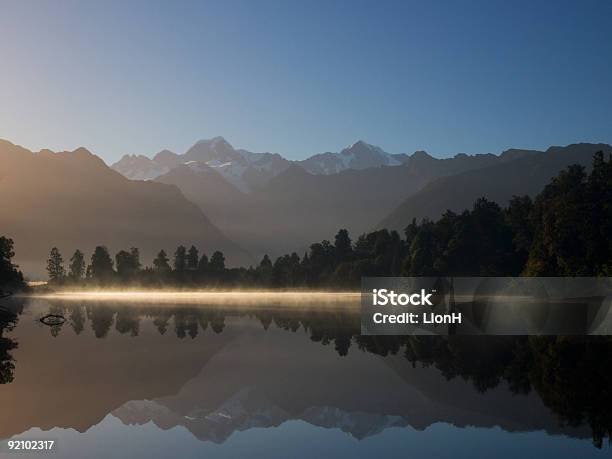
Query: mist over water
{"points": [[259, 298]]}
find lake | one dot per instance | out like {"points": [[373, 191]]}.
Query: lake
{"points": [[286, 376]]}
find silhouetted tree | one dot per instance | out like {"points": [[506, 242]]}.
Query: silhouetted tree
{"points": [[10, 276], [55, 266], [161, 262], [217, 263], [519, 217], [321, 263], [180, 259], [343, 246], [77, 265], [264, 271], [203, 269], [135, 258], [423, 252], [192, 258], [127, 263], [203, 264], [572, 223], [287, 271], [101, 265]]}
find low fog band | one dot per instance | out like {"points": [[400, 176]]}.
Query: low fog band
{"points": [[486, 306]]}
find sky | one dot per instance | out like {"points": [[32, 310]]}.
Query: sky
{"points": [[305, 77]]}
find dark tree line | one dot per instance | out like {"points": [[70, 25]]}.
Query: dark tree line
{"points": [[571, 223], [186, 267], [564, 231]]}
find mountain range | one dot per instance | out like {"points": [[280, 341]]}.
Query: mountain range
{"points": [[247, 204], [247, 170], [241, 168], [72, 200], [295, 207]]}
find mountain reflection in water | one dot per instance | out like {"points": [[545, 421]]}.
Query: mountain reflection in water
{"points": [[152, 380]]}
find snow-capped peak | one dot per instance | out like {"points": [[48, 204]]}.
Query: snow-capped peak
{"points": [[359, 155], [362, 147], [362, 144], [213, 142]]}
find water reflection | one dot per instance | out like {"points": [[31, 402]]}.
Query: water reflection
{"points": [[219, 370], [8, 320]]}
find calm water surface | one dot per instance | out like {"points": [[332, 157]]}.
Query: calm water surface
{"points": [[287, 378]]}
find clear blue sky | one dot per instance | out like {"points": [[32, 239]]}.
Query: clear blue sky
{"points": [[304, 77]]}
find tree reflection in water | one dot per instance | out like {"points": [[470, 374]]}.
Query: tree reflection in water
{"points": [[570, 374], [9, 311]]}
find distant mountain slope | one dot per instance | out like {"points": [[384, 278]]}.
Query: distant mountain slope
{"points": [[221, 201], [73, 200], [498, 182], [139, 167], [295, 208]]}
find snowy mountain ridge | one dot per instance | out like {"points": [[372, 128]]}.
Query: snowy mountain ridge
{"points": [[243, 168]]}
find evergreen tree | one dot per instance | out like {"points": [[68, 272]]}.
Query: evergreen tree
{"points": [[101, 265], [135, 258], [192, 258], [560, 234], [180, 259], [203, 264], [287, 271], [321, 263], [55, 266], [519, 218], [77, 265], [423, 252], [343, 246], [127, 263], [161, 262], [305, 268], [572, 220], [599, 216], [478, 243], [217, 263], [10, 276], [264, 271], [411, 231], [123, 261]]}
